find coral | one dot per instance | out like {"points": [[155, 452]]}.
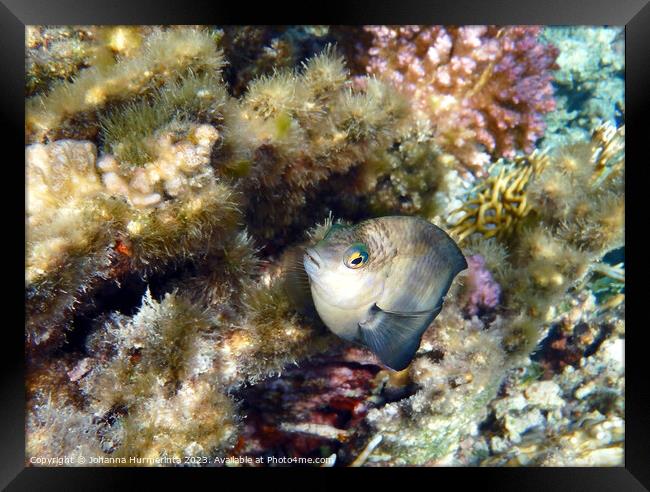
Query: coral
{"points": [[143, 376], [59, 52], [291, 132], [163, 54], [54, 171], [568, 213], [484, 88], [458, 371], [146, 375], [253, 346], [574, 414], [176, 174], [179, 165], [153, 375], [55, 53], [409, 177], [482, 289], [562, 242], [71, 233], [463, 358], [130, 132], [599, 442], [155, 198], [85, 225], [565, 415], [500, 199], [254, 51], [589, 83], [58, 429]]}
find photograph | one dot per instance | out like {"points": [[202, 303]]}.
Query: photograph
{"points": [[324, 245]]}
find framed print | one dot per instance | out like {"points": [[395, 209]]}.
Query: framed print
{"points": [[395, 241]]}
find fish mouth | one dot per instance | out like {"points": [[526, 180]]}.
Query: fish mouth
{"points": [[311, 262]]}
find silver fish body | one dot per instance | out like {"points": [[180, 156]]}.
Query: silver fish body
{"points": [[382, 282]]}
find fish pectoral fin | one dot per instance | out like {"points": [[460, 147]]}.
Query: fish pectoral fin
{"points": [[395, 337]]}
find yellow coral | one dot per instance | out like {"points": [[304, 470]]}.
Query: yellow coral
{"points": [[609, 144], [505, 198], [500, 200]]}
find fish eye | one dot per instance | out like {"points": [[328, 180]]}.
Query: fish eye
{"points": [[356, 256]]}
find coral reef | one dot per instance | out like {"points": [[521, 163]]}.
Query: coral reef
{"points": [[548, 250], [255, 51], [484, 88], [589, 83], [411, 177], [290, 132], [69, 108], [85, 225], [57, 53], [145, 380], [578, 402], [153, 375], [175, 175], [143, 377]]}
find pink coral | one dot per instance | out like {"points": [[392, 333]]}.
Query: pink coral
{"points": [[485, 89], [483, 292]]}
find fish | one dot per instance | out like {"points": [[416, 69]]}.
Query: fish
{"points": [[380, 283]]}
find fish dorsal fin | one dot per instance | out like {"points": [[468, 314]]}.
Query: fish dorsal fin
{"points": [[395, 336]]}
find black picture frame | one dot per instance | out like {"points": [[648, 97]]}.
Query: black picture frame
{"points": [[633, 14]]}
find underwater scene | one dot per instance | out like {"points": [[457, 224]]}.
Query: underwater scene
{"points": [[323, 246]]}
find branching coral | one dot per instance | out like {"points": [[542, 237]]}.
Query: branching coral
{"points": [[573, 215], [500, 200], [484, 88], [573, 179]]}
